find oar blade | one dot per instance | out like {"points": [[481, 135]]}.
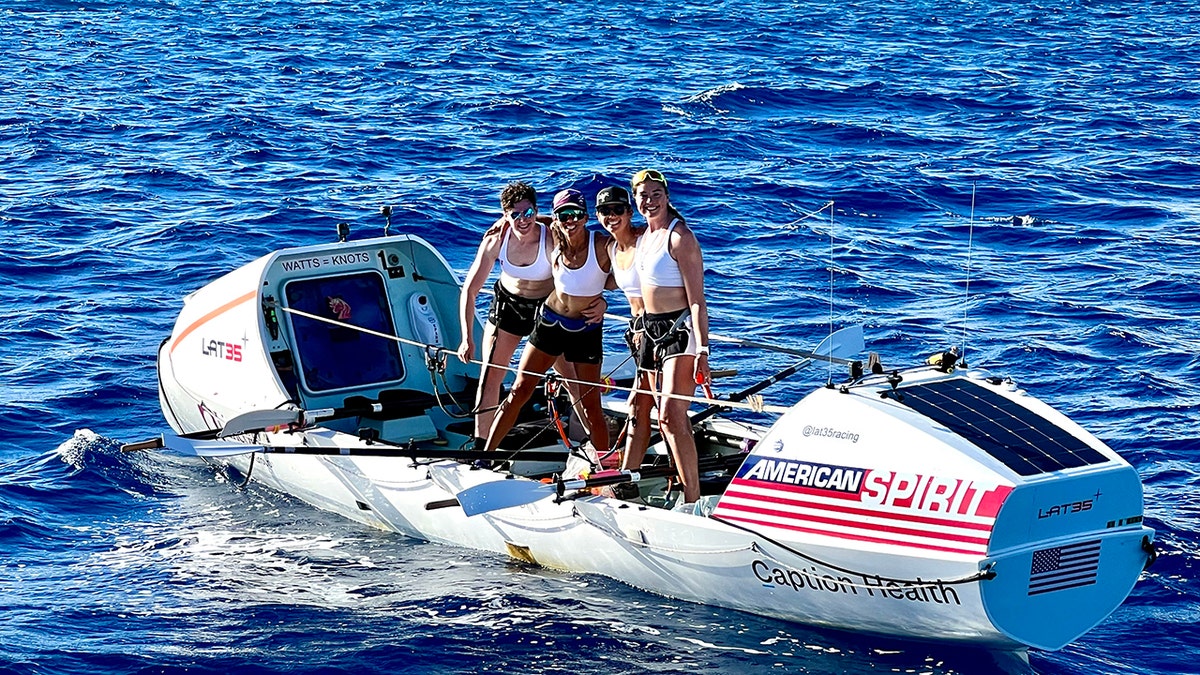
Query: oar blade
{"points": [[843, 344], [260, 420], [189, 447], [501, 494]]}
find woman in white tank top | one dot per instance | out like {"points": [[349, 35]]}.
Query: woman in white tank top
{"points": [[675, 327], [522, 247], [615, 212]]}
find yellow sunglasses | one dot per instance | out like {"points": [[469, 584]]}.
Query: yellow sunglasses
{"points": [[645, 175]]}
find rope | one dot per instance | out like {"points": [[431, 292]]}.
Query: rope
{"points": [[713, 337], [813, 214], [978, 576], [774, 409], [753, 546]]}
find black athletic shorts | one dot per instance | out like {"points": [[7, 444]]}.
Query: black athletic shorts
{"points": [[578, 341], [513, 313], [664, 336]]}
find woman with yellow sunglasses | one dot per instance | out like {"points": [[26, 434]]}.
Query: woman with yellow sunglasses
{"points": [[674, 341]]}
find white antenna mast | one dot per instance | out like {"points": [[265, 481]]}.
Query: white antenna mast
{"points": [[967, 286], [830, 362]]}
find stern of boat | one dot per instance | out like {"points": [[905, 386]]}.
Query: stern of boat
{"points": [[1089, 548]]}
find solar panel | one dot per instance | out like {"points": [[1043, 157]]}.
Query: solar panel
{"points": [[1024, 441]]}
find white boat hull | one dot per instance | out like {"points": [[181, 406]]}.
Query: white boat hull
{"points": [[672, 554], [922, 505]]}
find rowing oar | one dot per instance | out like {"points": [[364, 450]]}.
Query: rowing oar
{"points": [[199, 447], [275, 420], [503, 494], [845, 342]]}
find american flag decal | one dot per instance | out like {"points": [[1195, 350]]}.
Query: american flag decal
{"points": [[1063, 567]]}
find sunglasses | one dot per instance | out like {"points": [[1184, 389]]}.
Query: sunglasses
{"points": [[648, 174], [518, 215], [615, 210], [569, 214]]}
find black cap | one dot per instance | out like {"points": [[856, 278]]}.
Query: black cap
{"points": [[612, 195]]}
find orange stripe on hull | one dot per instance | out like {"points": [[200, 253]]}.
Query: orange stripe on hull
{"points": [[212, 315]]}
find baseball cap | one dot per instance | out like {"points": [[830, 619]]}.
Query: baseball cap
{"points": [[571, 198], [612, 195]]}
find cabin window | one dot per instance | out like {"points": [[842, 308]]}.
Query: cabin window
{"points": [[332, 354]]}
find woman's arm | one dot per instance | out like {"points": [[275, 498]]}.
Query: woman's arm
{"points": [[481, 267], [686, 249]]}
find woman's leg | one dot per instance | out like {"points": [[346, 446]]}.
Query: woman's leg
{"points": [[638, 438], [567, 369], [677, 427], [533, 360], [498, 348], [592, 411]]}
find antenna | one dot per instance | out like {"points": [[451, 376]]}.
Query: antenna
{"points": [[386, 210], [967, 286], [830, 362]]}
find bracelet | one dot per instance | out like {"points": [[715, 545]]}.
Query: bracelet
{"points": [[702, 350]]}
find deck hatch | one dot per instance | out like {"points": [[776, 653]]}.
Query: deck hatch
{"points": [[1024, 441], [336, 357]]}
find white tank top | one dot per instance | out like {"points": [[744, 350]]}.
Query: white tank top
{"points": [[586, 281], [656, 266], [628, 280], [538, 270]]}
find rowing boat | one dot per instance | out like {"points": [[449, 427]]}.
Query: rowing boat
{"points": [[931, 502]]}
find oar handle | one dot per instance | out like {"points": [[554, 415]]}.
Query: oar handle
{"points": [[148, 444], [613, 477], [600, 480]]}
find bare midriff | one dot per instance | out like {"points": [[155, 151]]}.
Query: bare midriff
{"points": [[571, 306], [526, 288], [663, 299]]}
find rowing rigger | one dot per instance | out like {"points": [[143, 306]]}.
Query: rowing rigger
{"points": [[187, 446]]}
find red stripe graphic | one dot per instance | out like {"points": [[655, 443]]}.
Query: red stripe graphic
{"points": [[851, 537], [896, 509], [850, 510]]}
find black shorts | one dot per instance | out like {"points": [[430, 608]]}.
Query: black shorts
{"points": [[664, 336], [513, 313], [574, 339]]}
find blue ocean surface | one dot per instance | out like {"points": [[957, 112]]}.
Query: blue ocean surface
{"points": [[1020, 177]]}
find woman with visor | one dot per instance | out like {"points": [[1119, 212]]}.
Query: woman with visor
{"points": [[673, 344], [580, 267]]}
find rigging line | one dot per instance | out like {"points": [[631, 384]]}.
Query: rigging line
{"points": [[725, 338], [985, 574], [813, 214], [760, 345], [967, 286], [752, 407]]}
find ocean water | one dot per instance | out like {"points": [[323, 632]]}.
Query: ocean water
{"points": [[1019, 177]]}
